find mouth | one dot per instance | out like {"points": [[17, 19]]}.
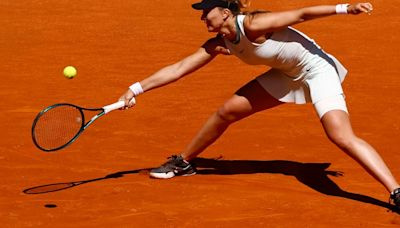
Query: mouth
{"points": [[207, 24], [210, 28]]}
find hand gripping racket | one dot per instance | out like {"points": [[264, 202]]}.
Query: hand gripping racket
{"points": [[59, 125]]}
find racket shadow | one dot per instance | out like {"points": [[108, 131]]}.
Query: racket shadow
{"points": [[42, 189], [313, 175]]}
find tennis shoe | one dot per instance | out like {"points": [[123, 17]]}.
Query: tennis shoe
{"points": [[395, 197], [175, 166]]}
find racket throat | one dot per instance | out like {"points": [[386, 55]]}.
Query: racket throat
{"points": [[92, 120]]}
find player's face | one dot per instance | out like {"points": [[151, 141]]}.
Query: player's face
{"points": [[214, 18]]}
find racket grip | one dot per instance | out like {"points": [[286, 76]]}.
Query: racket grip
{"points": [[112, 107]]}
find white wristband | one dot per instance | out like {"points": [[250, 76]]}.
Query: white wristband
{"points": [[341, 8], [136, 88]]}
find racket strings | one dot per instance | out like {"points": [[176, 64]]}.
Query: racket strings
{"points": [[58, 126]]}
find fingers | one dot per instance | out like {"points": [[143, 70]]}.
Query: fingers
{"points": [[366, 8], [131, 102], [129, 99], [362, 8]]}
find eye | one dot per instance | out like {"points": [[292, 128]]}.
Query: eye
{"points": [[205, 13]]}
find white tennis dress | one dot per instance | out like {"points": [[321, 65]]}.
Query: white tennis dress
{"points": [[301, 71]]}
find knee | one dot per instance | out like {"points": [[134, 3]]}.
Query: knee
{"points": [[343, 140], [227, 114]]}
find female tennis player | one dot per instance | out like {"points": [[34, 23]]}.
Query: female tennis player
{"points": [[300, 72]]}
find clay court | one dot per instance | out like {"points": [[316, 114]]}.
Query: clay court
{"points": [[274, 169]]}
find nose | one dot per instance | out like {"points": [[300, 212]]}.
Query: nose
{"points": [[203, 17]]}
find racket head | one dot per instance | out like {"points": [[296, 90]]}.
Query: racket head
{"points": [[57, 126]]}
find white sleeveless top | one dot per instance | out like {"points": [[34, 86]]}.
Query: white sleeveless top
{"points": [[293, 57]]}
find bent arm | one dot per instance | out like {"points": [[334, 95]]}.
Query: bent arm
{"points": [[269, 22]]}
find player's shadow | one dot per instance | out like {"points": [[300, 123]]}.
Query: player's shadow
{"points": [[314, 175]]}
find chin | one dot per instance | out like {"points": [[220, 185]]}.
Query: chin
{"points": [[212, 29]]}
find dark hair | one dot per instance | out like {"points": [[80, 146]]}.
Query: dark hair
{"points": [[238, 5]]}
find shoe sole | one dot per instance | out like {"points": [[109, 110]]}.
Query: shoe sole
{"points": [[169, 175]]}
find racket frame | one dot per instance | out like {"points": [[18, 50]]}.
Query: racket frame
{"points": [[82, 128]]}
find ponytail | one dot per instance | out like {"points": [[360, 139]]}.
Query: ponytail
{"points": [[239, 5], [244, 3]]}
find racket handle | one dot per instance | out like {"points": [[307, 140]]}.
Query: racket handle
{"points": [[112, 107]]}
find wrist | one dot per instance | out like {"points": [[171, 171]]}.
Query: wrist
{"points": [[342, 8], [136, 89]]}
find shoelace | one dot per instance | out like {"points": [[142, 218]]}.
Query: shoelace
{"points": [[172, 157], [171, 160]]}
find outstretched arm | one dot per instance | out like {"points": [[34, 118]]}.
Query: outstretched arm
{"points": [[175, 71], [269, 22]]}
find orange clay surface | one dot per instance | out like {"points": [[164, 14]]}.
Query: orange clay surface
{"points": [[277, 169]]}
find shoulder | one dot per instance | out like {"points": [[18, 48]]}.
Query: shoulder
{"points": [[256, 24], [216, 45], [254, 16]]}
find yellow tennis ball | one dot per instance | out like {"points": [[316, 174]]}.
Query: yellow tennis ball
{"points": [[70, 72]]}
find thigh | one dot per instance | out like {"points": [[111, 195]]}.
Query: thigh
{"points": [[255, 98], [336, 102]]}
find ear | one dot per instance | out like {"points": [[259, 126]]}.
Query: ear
{"points": [[226, 13]]}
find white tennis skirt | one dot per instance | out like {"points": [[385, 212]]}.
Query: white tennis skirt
{"points": [[318, 81]]}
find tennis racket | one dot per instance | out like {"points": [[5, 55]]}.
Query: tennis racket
{"points": [[59, 125]]}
